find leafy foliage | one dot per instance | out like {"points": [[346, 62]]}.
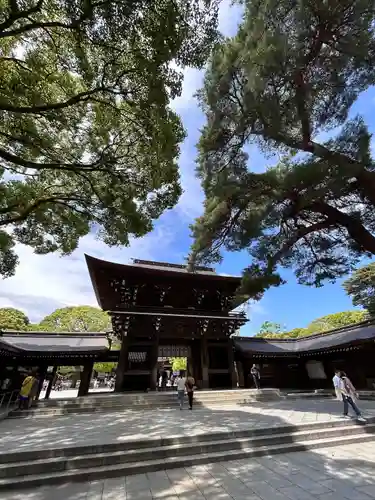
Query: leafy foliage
{"points": [[13, 319], [361, 287], [289, 76], [104, 367], [178, 364], [76, 319], [87, 138], [319, 325], [337, 320], [270, 327]]}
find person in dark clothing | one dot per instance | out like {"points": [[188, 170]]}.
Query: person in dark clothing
{"points": [[256, 376], [190, 383]]}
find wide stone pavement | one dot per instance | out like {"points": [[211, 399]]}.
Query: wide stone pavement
{"points": [[341, 473], [100, 428]]}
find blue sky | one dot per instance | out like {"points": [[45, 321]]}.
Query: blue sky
{"points": [[44, 283]]}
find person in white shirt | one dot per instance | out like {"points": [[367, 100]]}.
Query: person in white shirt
{"points": [[336, 384], [181, 383]]}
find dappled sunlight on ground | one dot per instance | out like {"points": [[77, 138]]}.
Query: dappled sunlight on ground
{"points": [[26, 434], [342, 473]]}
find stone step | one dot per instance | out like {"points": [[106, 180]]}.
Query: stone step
{"points": [[163, 452], [117, 403], [48, 412], [162, 396], [151, 404], [94, 467], [71, 451]]}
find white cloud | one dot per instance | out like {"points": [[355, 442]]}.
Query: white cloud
{"points": [[43, 283], [193, 79]]}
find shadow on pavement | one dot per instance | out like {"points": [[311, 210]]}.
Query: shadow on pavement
{"points": [[325, 474]]}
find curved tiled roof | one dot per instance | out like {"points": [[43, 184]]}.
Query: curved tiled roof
{"points": [[28, 342], [357, 333]]}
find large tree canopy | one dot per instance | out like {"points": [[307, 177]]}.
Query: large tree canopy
{"points": [[87, 140], [13, 319], [361, 287], [288, 77], [76, 319]]}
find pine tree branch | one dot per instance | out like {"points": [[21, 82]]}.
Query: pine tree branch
{"points": [[356, 230], [299, 234]]}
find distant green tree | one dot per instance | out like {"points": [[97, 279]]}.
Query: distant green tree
{"points": [[178, 364], [13, 319], [69, 371], [269, 329], [104, 367], [295, 333], [319, 325], [33, 327], [360, 286], [336, 320], [76, 319]]}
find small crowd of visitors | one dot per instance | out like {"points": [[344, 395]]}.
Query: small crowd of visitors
{"points": [[185, 385], [344, 389], [167, 379]]}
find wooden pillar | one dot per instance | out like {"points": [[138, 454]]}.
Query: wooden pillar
{"points": [[204, 360], [42, 371], [194, 362], [231, 366], [50, 383], [122, 365], [154, 354], [84, 386], [359, 366], [190, 365], [246, 365], [240, 374]]}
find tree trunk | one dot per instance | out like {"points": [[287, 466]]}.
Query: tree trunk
{"points": [[366, 184]]}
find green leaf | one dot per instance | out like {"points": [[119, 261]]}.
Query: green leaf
{"points": [[88, 141], [76, 319], [286, 82], [360, 286], [13, 319]]}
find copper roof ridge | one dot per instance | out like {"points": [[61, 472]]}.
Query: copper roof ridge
{"points": [[51, 334]]}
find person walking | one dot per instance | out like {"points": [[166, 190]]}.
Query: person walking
{"points": [[28, 391], [348, 393], [181, 385], [256, 376], [336, 384], [190, 383]]}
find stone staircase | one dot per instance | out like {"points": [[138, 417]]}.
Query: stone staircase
{"points": [[29, 469], [145, 401]]}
